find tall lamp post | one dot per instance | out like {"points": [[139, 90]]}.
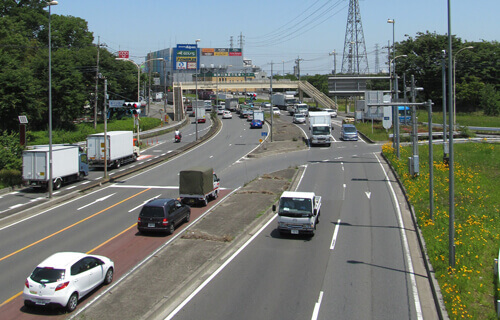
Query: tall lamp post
{"points": [[395, 119], [455, 84], [50, 187], [196, 79]]}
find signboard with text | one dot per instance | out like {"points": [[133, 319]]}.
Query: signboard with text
{"points": [[123, 54]]}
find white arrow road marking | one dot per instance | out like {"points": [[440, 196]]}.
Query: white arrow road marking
{"points": [[343, 194], [144, 203], [97, 200], [342, 163], [368, 194]]}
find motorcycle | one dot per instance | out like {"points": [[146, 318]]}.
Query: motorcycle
{"points": [[177, 138]]}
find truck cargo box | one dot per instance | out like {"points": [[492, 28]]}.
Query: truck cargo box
{"points": [[120, 145], [65, 162], [196, 181]]}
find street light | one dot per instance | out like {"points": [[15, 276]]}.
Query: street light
{"points": [[50, 187], [455, 86], [334, 54], [395, 119], [196, 79]]}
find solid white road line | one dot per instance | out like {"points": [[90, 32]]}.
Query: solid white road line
{"points": [[416, 299]]}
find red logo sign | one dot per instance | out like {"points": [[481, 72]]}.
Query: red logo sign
{"points": [[123, 54]]}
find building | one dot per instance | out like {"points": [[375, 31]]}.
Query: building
{"points": [[182, 63]]}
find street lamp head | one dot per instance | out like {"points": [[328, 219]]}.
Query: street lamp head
{"points": [[197, 40], [391, 21], [52, 3]]}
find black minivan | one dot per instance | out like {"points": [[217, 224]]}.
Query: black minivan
{"points": [[162, 215]]}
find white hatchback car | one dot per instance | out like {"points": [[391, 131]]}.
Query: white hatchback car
{"points": [[227, 115], [64, 278], [276, 110]]}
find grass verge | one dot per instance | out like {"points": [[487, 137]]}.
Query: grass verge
{"points": [[469, 290]]}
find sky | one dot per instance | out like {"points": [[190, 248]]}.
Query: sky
{"points": [[278, 31]]}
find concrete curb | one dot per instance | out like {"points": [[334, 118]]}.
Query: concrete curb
{"points": [[436, 290]]}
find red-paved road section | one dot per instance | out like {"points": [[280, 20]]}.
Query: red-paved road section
{"points": [[126, 250]]}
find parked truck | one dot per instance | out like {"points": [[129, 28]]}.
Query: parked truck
{"points": [[121, 149], [198, 185], [283, 101], [69, 163], [298, 212], [321, 127]]}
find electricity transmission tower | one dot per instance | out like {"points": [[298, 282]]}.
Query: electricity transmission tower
{"points": [[354, 60]]}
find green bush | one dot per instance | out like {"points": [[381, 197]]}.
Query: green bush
{"points": [[10, 177]]}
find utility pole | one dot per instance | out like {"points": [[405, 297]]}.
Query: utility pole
{"points": [[443, 75], [297, 61], [105, 130], [270, 99], [96, 83]]}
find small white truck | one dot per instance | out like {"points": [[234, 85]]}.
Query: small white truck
{"points": [[298, 212], [120, 149], [68, 164], [320, 126]]}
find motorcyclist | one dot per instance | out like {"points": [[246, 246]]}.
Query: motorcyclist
{"points": [[177, 133]]}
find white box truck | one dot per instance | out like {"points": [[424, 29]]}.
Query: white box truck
{"points": [[68, 164], [298, 212], [121, 149], [282, 101], [321, 127], [200, 115]]}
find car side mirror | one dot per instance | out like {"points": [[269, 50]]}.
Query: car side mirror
{"points": [[274, 207]]}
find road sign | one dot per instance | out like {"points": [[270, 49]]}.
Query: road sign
{"points": [[123, 54], [263, 133], [387, 122]]}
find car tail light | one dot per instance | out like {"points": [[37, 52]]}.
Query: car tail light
{"points": [[165, 222], [62, 285], [139, 220], [27, 284]]}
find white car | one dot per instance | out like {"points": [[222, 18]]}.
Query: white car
{"points": [[276, 110], [299, 118], [66, 277], [220, 110], [227, 115], [332, 112]]}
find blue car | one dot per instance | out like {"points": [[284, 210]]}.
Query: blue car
{"points": [[256, 124]]}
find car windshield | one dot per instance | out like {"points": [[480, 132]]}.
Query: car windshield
{"points": [[152, 212], [295, 207], [349, 129], [320, 130], [300, 116], [47, 275]]}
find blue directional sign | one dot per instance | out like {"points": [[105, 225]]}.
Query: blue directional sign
{"points": [[263, 133]]}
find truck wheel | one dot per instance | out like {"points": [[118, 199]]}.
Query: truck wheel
{"points": [[57, 184], [205, 202], [81, 176], [117, 164]]}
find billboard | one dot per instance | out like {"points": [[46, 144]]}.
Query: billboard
{"points": [[186, 57]]}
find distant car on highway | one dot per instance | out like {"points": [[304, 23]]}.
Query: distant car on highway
{"points": [[162, 215], [227, 115], [66, 277], [299, 118], [265, 105], [220, 109], [256, 124], [332, 112], [276, 110], [348, 132]]}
